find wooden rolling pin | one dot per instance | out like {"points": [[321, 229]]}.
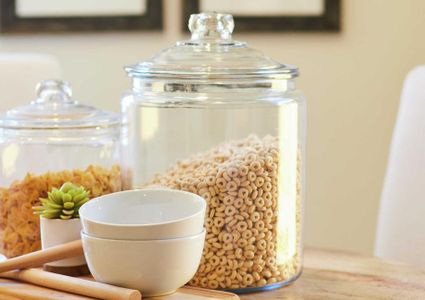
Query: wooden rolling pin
{"points": [[61, 282], [38, 258], [73, 285]]}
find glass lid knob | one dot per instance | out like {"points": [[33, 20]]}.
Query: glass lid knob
{"points": [[211, 26], [54, 91]]}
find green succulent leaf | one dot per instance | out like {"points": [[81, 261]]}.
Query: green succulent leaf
{"points": [[63, 203], [80, 196], [81, 202], [66, 198], [69, 205], [50, 204], [67, 186]]}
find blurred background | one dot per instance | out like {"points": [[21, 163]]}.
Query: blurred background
{"points": [[352, 79]]}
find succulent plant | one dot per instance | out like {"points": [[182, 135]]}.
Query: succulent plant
{"points": [[63, 203]]}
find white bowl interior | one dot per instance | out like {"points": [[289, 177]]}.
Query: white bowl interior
{"points": [[143, 207]]}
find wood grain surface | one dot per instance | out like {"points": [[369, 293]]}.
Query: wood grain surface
{"points": [[339, 275], [328, 274]]}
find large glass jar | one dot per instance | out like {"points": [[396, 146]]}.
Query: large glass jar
{"points": [[217, 118], [44, 144]]}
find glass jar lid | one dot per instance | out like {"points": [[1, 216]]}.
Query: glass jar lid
{"points": [[211, 52], [55, 109]]}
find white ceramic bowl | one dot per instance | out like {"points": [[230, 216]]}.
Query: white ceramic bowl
{"points": [[145, 214], [156, 267]]}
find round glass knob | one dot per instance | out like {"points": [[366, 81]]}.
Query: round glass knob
{"points": [[211, 26], [53, 90]]}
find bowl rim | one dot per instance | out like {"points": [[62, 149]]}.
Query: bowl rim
{"points": [[154, 190], [85, 235]]}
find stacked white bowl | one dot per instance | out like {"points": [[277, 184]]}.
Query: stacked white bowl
{"points": [[150, 239]]}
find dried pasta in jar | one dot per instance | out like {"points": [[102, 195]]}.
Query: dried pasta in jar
{"points": [[19, 227]]}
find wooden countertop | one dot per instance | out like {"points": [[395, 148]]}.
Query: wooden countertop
{"points": [[328, 275], [341, 275]]}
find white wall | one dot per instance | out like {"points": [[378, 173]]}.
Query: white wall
{"points": [[352, 80]]}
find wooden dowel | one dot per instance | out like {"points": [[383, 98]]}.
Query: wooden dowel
{"points": [[27, 291], [38, 258], [73, 285]]}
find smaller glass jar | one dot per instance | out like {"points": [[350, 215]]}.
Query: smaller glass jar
{"points": [[52, 140]]}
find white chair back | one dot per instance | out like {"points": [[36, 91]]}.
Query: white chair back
{"points": [[401, 223]]}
